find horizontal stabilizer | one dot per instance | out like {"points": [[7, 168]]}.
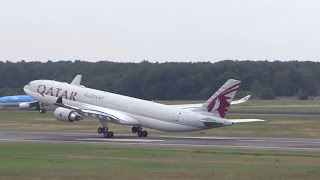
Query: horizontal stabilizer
{"points": [[242, 100], [245, 120]]}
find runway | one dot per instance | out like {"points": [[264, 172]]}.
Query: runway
{"points": [[166, 141]]}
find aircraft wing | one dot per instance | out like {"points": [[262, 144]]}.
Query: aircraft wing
{"points": [[235, 121], [100, 113], [195, 106]]}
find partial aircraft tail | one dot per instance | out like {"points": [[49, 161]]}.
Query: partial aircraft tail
{"points": [[218, 104], [77, 80]]}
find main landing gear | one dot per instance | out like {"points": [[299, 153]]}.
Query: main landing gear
{"points": [[41, 108], [106, 133], [105, 130], [139, 131]]}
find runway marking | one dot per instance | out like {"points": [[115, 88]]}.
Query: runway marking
{"points": [[275, 141], [204, 137], [242, 147], [119, 140]]}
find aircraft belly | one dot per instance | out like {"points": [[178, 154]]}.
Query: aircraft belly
{"points": [[10, 104], [163, 125]]}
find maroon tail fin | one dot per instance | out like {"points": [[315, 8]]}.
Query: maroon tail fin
{"points": [[219, 102]]}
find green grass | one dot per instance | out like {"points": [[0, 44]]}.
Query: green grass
{"points": [[76, 161], [62, 161], [275, 125]]}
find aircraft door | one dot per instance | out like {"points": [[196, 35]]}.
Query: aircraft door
{"points": [[129, 108], [183, 117]]}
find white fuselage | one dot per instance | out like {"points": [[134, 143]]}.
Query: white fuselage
{"points": [[146, 113]]}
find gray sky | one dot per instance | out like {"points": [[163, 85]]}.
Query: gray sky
{"points": [[159, 30]]}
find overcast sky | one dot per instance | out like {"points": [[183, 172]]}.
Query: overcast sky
{"points": [[159, 30]]}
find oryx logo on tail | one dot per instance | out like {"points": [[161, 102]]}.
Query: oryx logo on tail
{"points": [[219, 102], [222, 102]]}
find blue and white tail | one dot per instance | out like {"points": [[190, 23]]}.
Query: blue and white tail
{"points": [[218, 104]]}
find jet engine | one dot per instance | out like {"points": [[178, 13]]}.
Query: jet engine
{"points": [[24, 105], [66, 115]]}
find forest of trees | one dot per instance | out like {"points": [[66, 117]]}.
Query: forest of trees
{"points": [[171, 80]]}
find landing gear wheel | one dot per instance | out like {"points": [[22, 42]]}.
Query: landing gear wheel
{"points": [[140, 134], [144, 133], [104, 130], [100, 130], [42, 111], [105, 135], [110, 134], [134, 129]]}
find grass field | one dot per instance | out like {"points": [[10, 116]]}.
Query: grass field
{"points": [[274, 126], [60, 161], [80, 161]]}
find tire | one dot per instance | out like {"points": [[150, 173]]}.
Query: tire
{"points": [[110, 134], [100, 130], [139, 134], [105, 135], [134, 129], [144, 133]]}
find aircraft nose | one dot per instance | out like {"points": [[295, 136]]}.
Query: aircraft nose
{"points": [[26, 88]]}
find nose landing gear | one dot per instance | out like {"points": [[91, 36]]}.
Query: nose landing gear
{"points": [[41, 109]]}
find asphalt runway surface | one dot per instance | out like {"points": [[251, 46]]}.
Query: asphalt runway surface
{"points": [[164, 141]]}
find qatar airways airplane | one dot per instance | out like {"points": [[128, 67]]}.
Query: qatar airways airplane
{"points": [[75, 101]]}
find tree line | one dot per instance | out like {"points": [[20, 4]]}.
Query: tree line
{"points": [[171, 80]]}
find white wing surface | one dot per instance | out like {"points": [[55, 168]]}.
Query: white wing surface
{"points": [[101, 113]]}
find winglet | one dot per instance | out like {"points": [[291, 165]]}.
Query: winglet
{"points": [[77, 80]]}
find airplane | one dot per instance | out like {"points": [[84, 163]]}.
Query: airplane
{"points": [[75, 101], [21, 101], [25, 101]]}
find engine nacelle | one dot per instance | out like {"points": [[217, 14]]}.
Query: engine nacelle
{"points": [[24, 105], [66, 115]]}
